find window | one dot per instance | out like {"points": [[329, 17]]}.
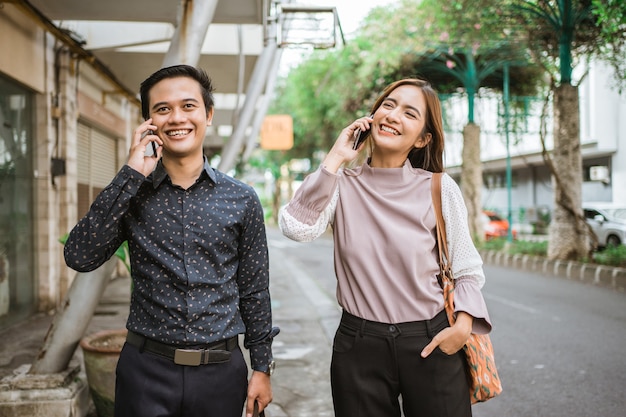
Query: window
{"points": [[16, 202]]}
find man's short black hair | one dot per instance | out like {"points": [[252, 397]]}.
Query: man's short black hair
{"points": [[206, 85]]}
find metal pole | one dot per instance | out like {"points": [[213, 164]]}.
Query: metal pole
{"points": [[263, 106], [509, 236], [192, 24], [257, 82], [71, 321]]}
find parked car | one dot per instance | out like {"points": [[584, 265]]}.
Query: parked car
{"points": [[608, 221], [495, 226]]}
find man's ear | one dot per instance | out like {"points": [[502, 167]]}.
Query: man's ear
{"points": [[423, 141], [209, 117]]}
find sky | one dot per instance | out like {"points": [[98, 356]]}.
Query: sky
{"points": [[350, 12]]}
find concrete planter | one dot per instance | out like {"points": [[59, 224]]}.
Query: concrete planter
{"points": [[101, 352]]}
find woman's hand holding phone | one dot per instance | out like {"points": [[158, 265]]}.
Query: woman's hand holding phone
{"points": [[360, 135], [344, 148]]}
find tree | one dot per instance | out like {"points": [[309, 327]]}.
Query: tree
{"points": [[316, 94], [611, 17], [560, 35], [462, 44], [456, 45]]}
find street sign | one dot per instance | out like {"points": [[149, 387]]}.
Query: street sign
{"points": [[277, 132]]}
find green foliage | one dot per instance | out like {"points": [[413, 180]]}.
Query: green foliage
{"points": [[267, 160], [563, 33], [492, 244], [315, 97], [522, 247], [406, 38], [462, 24], [123, 254], [526, 247], [611, 18], [613, 256], [439, 40], [465, 44]]}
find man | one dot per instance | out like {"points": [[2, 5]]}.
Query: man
{"points": [[199, 263]]}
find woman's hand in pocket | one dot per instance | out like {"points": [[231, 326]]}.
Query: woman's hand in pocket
{"points": [[451, 339]]}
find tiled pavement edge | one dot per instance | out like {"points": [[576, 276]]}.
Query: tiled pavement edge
{"points": [[606, 276]]}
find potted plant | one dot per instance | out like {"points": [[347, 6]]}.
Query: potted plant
{"points": [[101, 352]]}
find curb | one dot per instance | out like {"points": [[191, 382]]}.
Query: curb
{"points": [[601, 275]]}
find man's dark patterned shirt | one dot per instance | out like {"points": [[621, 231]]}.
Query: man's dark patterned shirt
{"points": [[199, 257]]}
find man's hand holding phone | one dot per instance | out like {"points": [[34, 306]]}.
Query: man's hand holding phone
{"points": [[151, 147], [145, 148]]}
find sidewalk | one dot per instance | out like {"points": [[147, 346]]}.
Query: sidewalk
{"points": [[306, 316]]}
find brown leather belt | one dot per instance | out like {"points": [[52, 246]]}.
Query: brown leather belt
{"points": [[217, 352]]}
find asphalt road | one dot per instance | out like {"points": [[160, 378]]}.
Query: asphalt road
{"points": [[559, 344]]}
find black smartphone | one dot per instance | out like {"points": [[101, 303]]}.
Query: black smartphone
{"points": [[361, 135], [151, 149], [256, 411]]}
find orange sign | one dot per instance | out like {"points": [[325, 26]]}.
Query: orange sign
{"points": [[277, 132]]}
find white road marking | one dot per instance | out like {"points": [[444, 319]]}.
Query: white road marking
{"points": [[511, 303]]}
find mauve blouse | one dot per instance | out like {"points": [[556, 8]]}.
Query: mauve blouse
{"points": [[385, 251]]}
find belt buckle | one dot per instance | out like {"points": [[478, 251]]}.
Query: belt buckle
{"points": [[188, 357]]}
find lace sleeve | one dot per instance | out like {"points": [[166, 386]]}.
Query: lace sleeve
{"points": [[465, 259], [300, 230]]}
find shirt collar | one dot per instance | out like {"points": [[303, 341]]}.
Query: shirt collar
{"points": [[159, 174]]}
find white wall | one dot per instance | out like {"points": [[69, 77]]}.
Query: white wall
{"points": [[604, 121]]}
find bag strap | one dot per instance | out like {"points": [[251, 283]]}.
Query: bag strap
{"points": [[442, 242]]}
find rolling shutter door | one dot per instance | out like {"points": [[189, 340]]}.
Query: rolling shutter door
{"points": [[103, 160], [97, 164], [84, 194]]}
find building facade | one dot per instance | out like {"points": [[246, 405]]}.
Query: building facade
{"points": [[64, 126]]}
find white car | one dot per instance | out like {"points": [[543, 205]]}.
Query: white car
{"points": [[608, 221]]}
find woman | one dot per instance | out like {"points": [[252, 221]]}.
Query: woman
{"points": [[394, 340]]}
